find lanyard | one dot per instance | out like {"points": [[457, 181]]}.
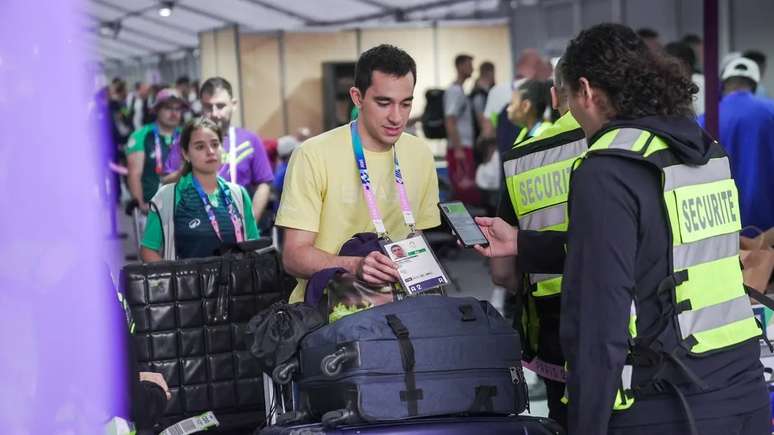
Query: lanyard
{"points": [[232, 212], [368, 193], [232, 154], [159, 156]]}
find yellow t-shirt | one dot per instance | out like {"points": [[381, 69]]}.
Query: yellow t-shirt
{"points": [[323, 194]]}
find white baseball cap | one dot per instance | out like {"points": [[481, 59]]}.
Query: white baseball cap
{"points": [[286, 145], [742, 67]]}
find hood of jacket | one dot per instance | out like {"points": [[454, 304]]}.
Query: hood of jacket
{"points": [[685, 137]]}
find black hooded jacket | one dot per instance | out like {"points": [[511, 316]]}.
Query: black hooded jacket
{"points": [[618, 243]]}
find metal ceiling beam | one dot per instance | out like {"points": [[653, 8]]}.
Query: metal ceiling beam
{"points": [[120, 44], [305, 18], [107, 44], [396, 11], [160, 39], [133, 31], [141, 15], [376, 4], [132, 44]]}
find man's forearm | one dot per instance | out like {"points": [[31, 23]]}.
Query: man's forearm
{"points": [[260, 199], [303, 262]]}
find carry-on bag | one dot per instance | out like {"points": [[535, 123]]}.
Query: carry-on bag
{"points": [[419, 357], [492, 425], [190, 317]]}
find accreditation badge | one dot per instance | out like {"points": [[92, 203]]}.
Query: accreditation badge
{"points": [[418, 267]]}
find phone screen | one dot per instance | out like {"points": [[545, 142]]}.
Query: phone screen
{"points": [[462, 223]]}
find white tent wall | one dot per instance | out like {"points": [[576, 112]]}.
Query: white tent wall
{"points": [[219, 54], [282, 72]]}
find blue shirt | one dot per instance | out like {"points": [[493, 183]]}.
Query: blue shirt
{"points": [[747, 134]]}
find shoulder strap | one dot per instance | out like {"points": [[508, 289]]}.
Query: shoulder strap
{"points": [[236, 195]]}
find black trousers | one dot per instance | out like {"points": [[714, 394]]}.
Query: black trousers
{"points": [[557, 410], [756, 422]]}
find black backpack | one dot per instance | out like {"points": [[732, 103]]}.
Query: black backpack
{"points": [[433, 117], [477, 91]]}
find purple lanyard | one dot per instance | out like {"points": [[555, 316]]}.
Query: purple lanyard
{"points": [[368, 193], [159, 156], [232, 212]]}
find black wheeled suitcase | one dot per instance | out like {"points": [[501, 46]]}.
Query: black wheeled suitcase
{"points": [[506, 425], [420, 357]]}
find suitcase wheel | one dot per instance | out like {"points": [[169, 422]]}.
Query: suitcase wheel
{"points": [[331, 365], [283, 374], [292, 418], [339, 417]]}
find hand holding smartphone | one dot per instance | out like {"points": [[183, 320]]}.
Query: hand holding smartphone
{"points": [[457, 216]]}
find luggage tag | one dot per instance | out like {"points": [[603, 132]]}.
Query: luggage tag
{"points": [[192, 425], [418, 266]]}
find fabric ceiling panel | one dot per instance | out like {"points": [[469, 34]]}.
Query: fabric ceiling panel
{"points": [[157, 30], [107, 13], [144, 31], [124, 50], [250, 15], [328, 10], [155, 45], [135, 5]]}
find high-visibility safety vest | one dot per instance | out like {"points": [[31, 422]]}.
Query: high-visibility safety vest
{"points": [[537, 130], [708, 307], [537, 175]]}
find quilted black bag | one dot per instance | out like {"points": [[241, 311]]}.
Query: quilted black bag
{"points": [[190, 319]]}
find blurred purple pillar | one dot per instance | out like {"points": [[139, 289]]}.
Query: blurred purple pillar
{"points": [[60, 362], [712, 83]]}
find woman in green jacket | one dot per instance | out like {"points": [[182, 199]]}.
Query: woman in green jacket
{"points": [[199, 213]]}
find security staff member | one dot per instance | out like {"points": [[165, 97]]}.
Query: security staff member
{"points": [[535, 200], [656, 326]]}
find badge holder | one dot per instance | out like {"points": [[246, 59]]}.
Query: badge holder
{"points": [[420, 271]]}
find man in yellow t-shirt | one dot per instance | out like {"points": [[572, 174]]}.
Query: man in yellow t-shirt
{"points": [[323, 204]]}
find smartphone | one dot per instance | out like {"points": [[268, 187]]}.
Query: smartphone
{"points": [[457, 216]]}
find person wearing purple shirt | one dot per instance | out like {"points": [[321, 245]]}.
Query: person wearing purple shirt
{"points": [[245, 161]]}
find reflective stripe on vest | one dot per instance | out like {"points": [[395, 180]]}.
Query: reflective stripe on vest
{"points": [[550, 217], [541, 179], [703, 214], [538, 184]]}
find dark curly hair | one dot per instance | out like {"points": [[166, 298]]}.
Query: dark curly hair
{"points": [[637, 81]]}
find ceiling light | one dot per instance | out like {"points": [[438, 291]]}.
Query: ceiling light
{"points": [[110, 29], [165, 9]]}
